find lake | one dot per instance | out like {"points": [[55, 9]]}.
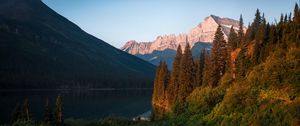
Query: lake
{"points": [[85, 104]]}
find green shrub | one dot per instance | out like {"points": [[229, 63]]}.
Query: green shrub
{"points": [[203, 100]]}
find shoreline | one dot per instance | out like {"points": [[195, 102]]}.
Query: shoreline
{"points": [[75, 89]]}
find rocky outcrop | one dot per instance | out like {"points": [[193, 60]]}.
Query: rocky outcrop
{"points": [[204, 32]]}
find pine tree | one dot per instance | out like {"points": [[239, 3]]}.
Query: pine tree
{"points": [[187, 75], [207, 69], [163, 81], [59, 111], [17, 114], [260, 37], [219, 57], [200, 68], [155, 88], [233, 39], [240, 32], [296, 20], [251, 32], [242, 63], [159, 100], [296, 17], [174, 80], [48, 117], [26, 116]]}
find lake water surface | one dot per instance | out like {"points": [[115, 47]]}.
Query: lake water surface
{"points": [[87, 104]]}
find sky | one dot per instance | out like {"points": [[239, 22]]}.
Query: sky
{"points": [[117, 21]]}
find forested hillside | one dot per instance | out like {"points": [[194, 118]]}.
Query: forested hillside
{"points": [[252, 79], [41, 49]]}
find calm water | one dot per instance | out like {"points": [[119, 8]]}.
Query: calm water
{"points": [[79, 104]]}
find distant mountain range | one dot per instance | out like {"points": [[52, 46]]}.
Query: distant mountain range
{"points": [[163, 47], [41, 49]]}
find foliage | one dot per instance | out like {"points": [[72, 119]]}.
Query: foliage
{"points": [[266, 91], [219, 57]]}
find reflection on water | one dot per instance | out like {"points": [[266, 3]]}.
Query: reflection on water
{"points": [[88, 104]]}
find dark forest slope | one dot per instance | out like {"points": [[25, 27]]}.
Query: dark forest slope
{"points": [[41, 49]]}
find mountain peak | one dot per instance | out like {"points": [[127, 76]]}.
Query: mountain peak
{"points": [[204, 32]]}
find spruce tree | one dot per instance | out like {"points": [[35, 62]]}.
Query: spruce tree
{"points": [[174, 80], [163, 81], [206, 69], [48, 117], [17, 114], [159, 94], [200, 68], [26, 116], [296, 17], [156, 84], [59, 111], [240, 32], [218, 58], [233, 39], [251, 32], [187, 75]]}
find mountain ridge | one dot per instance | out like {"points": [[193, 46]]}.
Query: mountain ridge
{"points": [[39, 47], [203, 32]]}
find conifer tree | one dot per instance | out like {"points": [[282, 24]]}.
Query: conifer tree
{"points": [[251, 32], [218, 58], [207, 69], [17, 114], [187, 75], [259, 41], [240, 32], [48, 117], [163, 81], [25, 110], [200, 68], [59, 111], [233, 40], [296, 17], [174, 80], [155, 88]]}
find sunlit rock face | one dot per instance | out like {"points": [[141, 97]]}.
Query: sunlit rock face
{"points": [[204, 32]]}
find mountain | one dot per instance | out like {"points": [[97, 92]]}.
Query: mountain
{"points": [[168, 55], [41, 49], [204, 32], [164, 47]]}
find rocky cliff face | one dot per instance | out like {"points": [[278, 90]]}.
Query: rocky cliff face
{"points": [[204, 32]]}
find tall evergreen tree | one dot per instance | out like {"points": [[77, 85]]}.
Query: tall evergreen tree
{"points": [[240, 32], [218, 58], [296, 17], [48, 116], [174, 80], [207, 69], [200, 68], [26, 116], [187, 75], [260, 38], [254, 26], [159, 100], [156, 84], [59, 111], [296, 20], [233, 40], [17, 114], [163, 81]]}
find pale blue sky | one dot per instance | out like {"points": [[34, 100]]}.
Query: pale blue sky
{"points": [[117, 21]]}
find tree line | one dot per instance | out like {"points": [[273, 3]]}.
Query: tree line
{"points": [[250, 47], [22, 114]]}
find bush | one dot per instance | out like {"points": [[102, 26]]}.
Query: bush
{"points": [[203, 100]]}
